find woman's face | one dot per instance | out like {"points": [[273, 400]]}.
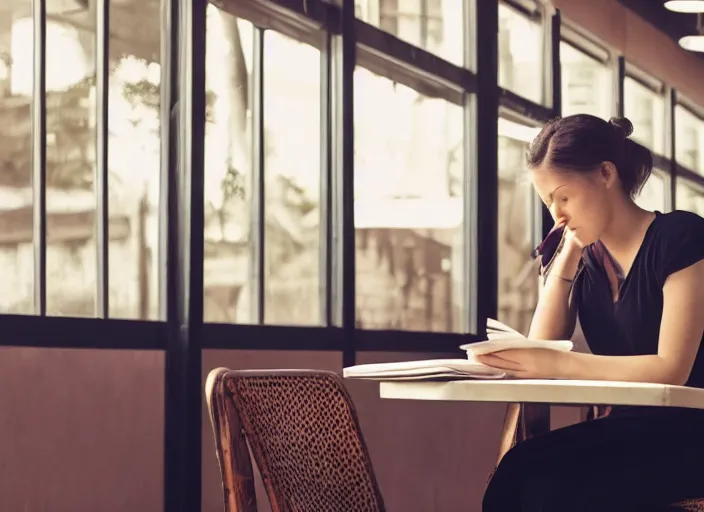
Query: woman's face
{"points": [[580, 200]]}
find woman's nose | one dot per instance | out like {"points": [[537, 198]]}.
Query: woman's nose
{"points": [[558, 215]]}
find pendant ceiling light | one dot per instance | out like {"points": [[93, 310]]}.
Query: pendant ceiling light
{"points": [[686, 6], [695, 42]]}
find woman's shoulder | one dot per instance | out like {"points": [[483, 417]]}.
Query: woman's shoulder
{"points": [[677, 221], [677, 241]]}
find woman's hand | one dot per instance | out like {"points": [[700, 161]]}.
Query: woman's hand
{"points": [[572, 243], [527, 363]]}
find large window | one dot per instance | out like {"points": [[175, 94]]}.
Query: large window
{"points": [[587, 84], [408, 207], [434, 25], [689, 143], [521, 53], [283, 157], [654, 194], [292, 181], [72, 159], [228, 270], [519, 208], [646, 110], [690, 196]]}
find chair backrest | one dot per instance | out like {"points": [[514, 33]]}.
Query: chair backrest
{"points": [[304, 435], [230, 445]]}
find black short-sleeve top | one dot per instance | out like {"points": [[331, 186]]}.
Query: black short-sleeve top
{"points": [[631, 324]]}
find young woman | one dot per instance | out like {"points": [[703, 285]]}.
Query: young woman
{"points": [[635, 278]]}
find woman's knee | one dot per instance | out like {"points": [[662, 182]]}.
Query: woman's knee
{"points": [[521, 477], [504, 491]]}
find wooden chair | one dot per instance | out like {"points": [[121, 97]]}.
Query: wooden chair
{"points": [[302, 430], [526, 420]]}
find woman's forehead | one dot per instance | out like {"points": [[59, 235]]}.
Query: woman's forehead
{"points": [[546, 179]]}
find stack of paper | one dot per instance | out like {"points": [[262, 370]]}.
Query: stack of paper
{"points": [[428, 369], [500, 337]]}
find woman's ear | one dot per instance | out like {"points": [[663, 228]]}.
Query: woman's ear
{"points": [[608, 174]]}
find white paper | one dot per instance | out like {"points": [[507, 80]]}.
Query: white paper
{"points": [[426, 369], [502, 337], [481, 348]]}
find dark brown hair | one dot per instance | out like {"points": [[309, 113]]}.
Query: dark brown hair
{"points": [[581, 142]]}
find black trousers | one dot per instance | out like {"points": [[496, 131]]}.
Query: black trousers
{"points": [[618, 463]]}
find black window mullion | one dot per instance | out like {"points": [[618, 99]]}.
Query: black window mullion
{"points": [[554, 74], [399, 61], [102, 66], [485, 132], [39, 154], [525, 107], [326, 196], [184, 22], [258, 205], [344, 174]]}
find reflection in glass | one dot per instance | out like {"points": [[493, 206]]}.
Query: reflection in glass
{"points": [[292, 184], [133, 166], [70, 154], [134, 160], [520, 54], [646, 110], [518, 207], [408, 208], [16, 76], [434, 25], [689, 146], [587, 84], [654, 193], [690, 197], [228, 284]]}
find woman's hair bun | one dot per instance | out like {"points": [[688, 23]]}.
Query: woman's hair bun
{"points": [[623, 124]]}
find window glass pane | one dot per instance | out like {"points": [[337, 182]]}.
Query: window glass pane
{"points": [[434, 25], [70, 154], [689, 146], [227, 272], [87, 424], [587, 84], [133, 173], [134, 159], [518, 208], [292, 184], [408, 208], [654, 193], [16, 219], [520, 54], [690, 197], [646, 110]]}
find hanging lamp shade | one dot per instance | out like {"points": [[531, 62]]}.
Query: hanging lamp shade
{"points": [[693, 43], [685, 6]]}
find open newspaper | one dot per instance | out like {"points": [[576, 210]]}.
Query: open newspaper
{"points": [[499, 337]]}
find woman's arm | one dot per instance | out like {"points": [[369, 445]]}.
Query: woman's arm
{"points": [[555, 316], [681, 330]]}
